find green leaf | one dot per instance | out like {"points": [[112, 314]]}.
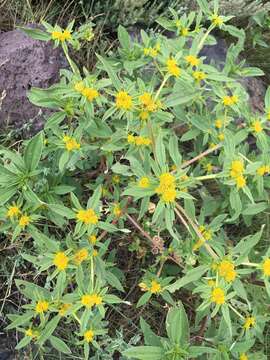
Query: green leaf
{"points": [[150, 338], [253, 209], [145, 353], [20, 320], [59, 345], [176, 99], [226, 315], [177, 325], [267, 99], [7, 194], [123, 38], [107, 227], [108, 68], [36, 33], [191, 276], [114, 281], [48, 330], [33, 151], [143, 299], [62, 210], [160, 151]]}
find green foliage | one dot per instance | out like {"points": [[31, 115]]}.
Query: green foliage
{"points": [[109, 162]]}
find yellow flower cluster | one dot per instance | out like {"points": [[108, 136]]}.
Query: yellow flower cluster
{"points": [[249, 322], [24, 221], [88, 92], [90, 300], [138, 140], [166, 187], [218, 123], [199, 75], [87, 216], [243, 357], [173, 68], [61, 35], [216, 20], [226, 270], [230, 100], [218, 296], [144, 182], [256, 126], [89, 336], [42, 306], [70, 143], [236, 172], [123, 101], [152, 51], [192, 60], [262, 170], [117, 211], [13, 211], [266, 267], [149, 105], [60, 261], [63, 309], [154, 288], [80, 256]]}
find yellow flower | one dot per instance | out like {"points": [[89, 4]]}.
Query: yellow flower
{"points": [[208, 167], [221, 136], [66, 35], [237, 168], [249, 322], [60, 261], [169, 195], [199, 75], [117, 210], [71, 144], [173, 68], [13, 211], [131, 139], [262, 170], [42, 306], [89, 336], [167, 180], [240, 182], [211, 283], [243, 357], [90, 300], [218, 296], [24, 221], [226, 270], [29, 332], [257, 126], [79, 86], [141, 140], [123, 100], [146, 51], [153, 52], [145, 98], [116, 179], [184, 31], [218, 124], [95, 253], [61, 36], [216, 20], [143, 286], [268, 115], [87, 216], [92, 239], [144, 115], [192, 60], [155, 287], [198, 244], [266, 267], [63, 309], [144, 182], [56, 35], [90, 93], [80, 256], [230, 100]]}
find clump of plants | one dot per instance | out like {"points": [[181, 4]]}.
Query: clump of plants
{"points": [[161, 148]]}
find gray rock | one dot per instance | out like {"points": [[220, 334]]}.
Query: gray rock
{"points": [[25, 62]]}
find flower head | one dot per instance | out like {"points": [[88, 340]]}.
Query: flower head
{"points": [[199, 75], [13, 211], [218, 296], [173, 68], [63, 309], [89, 336], [61, 261], [155, 287], [266, 267], [144, 182], [117, 211], [216, 20], [92, 239], [42, 306], [70, 143], [123, 101], [240, 182], [249, 322], [184, 31], [192, 60], [169, 195], [226, 270], [80, 256], [218, 124], [87, 216], [90, 93], [230, 100], [257, 126], [24, 221], [243, 357], [237, 168], [90, 300]]}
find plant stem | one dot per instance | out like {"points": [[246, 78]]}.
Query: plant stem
{"points": [[198, 157]]}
